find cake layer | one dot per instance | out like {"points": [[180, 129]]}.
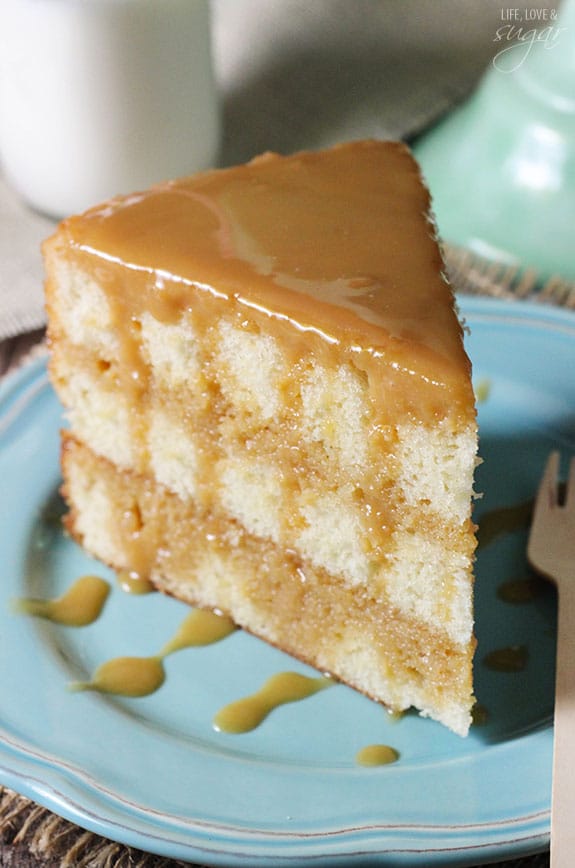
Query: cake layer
{"points": [[352, 499], [210, 560]]}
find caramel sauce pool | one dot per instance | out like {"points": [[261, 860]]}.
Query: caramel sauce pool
{"points": [[376, 755], [512, 658], [81, 605], [479, 715], [507, 519], [520, 590], [246, 714], [126, 676]]}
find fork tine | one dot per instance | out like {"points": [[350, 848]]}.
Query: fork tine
{"points": [[546, 500], [570, 493], [548, 493]]}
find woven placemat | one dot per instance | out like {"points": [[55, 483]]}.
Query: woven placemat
{"points": [[473, 275], [33, 837]]}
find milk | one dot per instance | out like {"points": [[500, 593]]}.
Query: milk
{"points": [[100, 97]]}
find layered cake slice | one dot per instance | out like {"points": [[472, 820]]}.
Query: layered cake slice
{"points": [[271, 412]]}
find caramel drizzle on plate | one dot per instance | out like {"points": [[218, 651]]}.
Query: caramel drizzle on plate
{"points": [[141, 676], [376, 755], [80, 606], [246, 714]]}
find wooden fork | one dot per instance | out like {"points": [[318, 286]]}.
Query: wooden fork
{"points": [[551, 551]]}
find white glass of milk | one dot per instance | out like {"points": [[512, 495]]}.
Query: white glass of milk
{"points": [[100, 97]]}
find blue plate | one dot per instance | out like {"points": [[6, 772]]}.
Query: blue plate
{"points": [[154, 774]]}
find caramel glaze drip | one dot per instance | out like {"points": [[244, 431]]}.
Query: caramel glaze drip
{"points": [[141, 676], [81, 605], [140, 538], [328, 245], [246, 714], [394, 715], [132, 582]]}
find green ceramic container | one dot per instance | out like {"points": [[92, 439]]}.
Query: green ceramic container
{"points": [[501, 168]]}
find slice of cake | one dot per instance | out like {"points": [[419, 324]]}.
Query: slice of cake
{"points": [[271, 412]]}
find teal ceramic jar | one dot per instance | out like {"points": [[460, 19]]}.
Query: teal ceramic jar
{"points": [[501, 168]]}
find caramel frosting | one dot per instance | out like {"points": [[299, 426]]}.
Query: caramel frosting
{"points": [[337, 244]]}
